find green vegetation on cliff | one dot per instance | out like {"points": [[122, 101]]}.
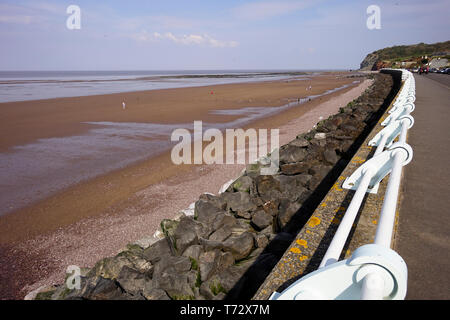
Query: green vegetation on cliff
{"points": [[413, 51], [409, 54]]}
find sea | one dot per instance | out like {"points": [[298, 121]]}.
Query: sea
{"points": [[36, 85]]}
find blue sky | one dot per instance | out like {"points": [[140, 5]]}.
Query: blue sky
{"points": [[194, 34]]}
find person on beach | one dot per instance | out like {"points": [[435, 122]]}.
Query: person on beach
{"points": [[123, 105]]}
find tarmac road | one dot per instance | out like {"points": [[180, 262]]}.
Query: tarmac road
{"points": [[423, 237]]}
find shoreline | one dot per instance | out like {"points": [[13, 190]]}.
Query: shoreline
{"points": [[128, 218]]}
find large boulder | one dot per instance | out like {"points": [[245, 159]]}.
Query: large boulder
{"points": [[212, 262], [187, 233], [290, 153], [176, 285], [206, 211], [268, 188], [239, 246], [261, 219], [157, 251], [240, 203], [132, 281]]}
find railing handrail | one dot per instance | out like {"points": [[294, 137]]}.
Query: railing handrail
{"points": [[381, 271]]}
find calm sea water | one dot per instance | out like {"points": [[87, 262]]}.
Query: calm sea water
{"points": [[34, 85]]}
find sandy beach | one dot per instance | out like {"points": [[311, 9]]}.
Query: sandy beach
{"points": [[96, 218]]}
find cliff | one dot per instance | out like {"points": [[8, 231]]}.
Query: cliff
{"points": [[409, 55]]}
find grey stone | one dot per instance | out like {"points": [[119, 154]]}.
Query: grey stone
{"points": [[289, 154], [240, 202], [206, 212], [99, 288], [294, 168], [261, 240], [240, 246], [216, 201], [172, 264], [132, 281], [156, 251], [176, 285], [211, 262], [221, 234], [261, 219], [287, 210], [268, 188], [271, 207], [299, 142], [187, 233], [151, 293], [193, 252], [330, 156], [243, 184]]}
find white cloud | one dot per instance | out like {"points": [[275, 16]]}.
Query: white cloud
{"points": [[191, 39], [19, 19]]}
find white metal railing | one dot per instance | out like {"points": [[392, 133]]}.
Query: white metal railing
{"points": [[374, 271]]}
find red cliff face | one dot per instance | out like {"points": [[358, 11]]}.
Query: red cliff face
{"points": [[380, 64]]}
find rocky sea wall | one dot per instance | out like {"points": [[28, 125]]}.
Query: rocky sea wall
{"points": [[225, 245]]}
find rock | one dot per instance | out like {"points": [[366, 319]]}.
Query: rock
{"points": [[176, 286], [187, 233], [319, 173], [156, 251], [99, 288], [320, 136], [193, 252], [146, 242], [303, 179], [330, 156], [137, 261], [243, 184], [261, 240], [172, 264], [211, 262], [290, 187], [221, 234], [261, 219], [224, 220], [240, 246], [209, 245], [240, 203], [289, 154], [109, 268], [132, 281], [286, 211], [155, 294], [216, 201], [206, 212], [271, 207], [213, 288], [268, 188], [369, 62], [294, 168], [168, 227], [299, 142]]}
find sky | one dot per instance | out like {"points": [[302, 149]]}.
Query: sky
{"points": [[210, 35]]}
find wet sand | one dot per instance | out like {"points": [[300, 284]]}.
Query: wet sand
{"points": [[96, 218]]}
